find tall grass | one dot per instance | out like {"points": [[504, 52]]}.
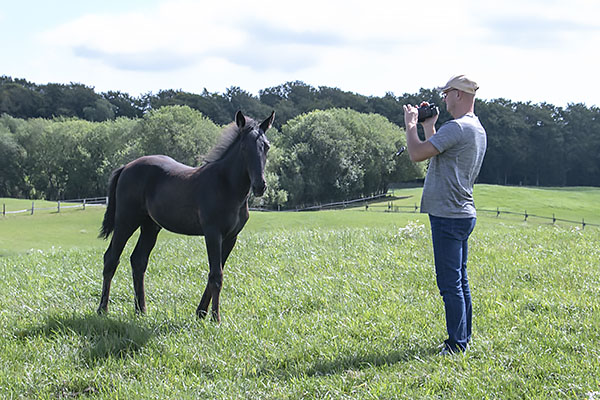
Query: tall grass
{"points": [[333, 305]]}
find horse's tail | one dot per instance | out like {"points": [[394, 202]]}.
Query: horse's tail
{"points": [[108, 224]]}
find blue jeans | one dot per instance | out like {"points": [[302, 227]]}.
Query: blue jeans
{"points": [[450, 249]]}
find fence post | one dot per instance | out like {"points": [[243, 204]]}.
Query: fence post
{"points": [[582, 223], [32, 207], [526, 215], [84, 204], [497, 212], [553, 219], [4, 209], [58, 207]]}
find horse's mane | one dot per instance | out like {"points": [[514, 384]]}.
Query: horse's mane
{"points": [[230, 135]]}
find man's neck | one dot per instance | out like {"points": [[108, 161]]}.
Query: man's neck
{"points": [[461, 112]]}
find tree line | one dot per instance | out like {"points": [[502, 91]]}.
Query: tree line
{"points": [[528, 144], [317, 157]]}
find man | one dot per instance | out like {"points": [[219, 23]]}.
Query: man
{"points": [[456, 152]]}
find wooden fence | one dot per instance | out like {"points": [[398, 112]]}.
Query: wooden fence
{"points": [[390, 207], [373, 203], [60, 205]]}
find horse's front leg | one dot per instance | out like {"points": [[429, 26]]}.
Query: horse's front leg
{"points": [[212, 292]]}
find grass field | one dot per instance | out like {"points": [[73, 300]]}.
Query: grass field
{"points": [[76, 228], [329, 305]]}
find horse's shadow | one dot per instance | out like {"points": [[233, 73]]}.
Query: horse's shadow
{"points": [[101, 337]]}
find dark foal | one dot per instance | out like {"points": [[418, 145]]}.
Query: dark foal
{"points": [[156, 192]]}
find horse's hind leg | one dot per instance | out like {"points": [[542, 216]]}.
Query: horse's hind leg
{"points": [[139, 261], [111, 260]]}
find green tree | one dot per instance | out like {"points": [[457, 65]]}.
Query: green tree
{"points": [[12, 156], [102, 110], [582, 145], [41, 167], [387, 106], [275, 197], [123, 105], [506, 153], [177, 131], [339, 154], [18, 100], [542, 141], [239, 99]]}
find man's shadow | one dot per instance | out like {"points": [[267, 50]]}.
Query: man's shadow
{"points": [[365, 361], [101, 336], [287, 368]]}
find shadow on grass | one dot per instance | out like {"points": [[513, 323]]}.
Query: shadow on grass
{"points": [[101, 337], [358, 362], [294, 368]]}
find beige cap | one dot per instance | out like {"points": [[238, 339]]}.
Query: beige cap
{"points": [[462, 83]]}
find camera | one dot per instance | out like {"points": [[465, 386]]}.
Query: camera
{"points": [[427, 111]]}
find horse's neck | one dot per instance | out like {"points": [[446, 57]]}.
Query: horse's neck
{"points": [[233, 166]]}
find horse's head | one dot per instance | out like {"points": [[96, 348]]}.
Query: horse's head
{"points": [[255, 146]]}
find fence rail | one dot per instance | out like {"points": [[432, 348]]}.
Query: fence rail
{"points": [[414, 209], [60, 205], [369, 203]]}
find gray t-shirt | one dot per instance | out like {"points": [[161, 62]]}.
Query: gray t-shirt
{"points": [[448, 189]]}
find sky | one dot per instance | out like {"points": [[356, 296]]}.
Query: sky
{"points": [[520, 50]]}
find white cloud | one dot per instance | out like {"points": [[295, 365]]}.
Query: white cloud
{"points": [[287, 37], [130, 39], [513, 48]]}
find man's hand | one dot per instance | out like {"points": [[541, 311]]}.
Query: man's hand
{"points": [[417, 150], [411, 116]]}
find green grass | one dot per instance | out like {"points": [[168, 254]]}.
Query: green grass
{"points": [[76, 228], [333, 305], [573, 203], [48, 229]]}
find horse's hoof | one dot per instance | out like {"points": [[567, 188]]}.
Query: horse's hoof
{"points": [[140, 312], [102, 310], [201, 313]]}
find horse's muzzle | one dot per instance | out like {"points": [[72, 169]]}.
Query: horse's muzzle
{"points": [[259, 189]]}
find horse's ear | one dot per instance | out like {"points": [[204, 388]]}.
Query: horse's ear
{"points": [[267, 123], [240, 120]]}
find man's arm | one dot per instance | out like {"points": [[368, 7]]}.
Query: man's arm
{"points": [[418, 150]]}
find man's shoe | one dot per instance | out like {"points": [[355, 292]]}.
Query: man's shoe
{"points": [[446, 351]]}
